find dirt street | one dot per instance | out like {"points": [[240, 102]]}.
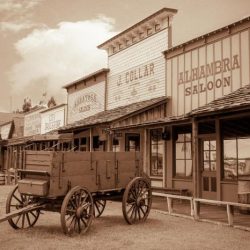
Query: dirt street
{"points": [[111, 232]]}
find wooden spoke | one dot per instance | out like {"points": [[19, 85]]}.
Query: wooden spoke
{"points": [[77, 211], [16, 201], [137, 200], [99, 206]]}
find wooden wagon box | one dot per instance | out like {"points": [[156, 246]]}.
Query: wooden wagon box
{"points": [[52, 174], [33, 187]]}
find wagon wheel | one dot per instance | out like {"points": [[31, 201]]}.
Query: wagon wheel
{"points": [[137, 200], [17, 201], [77, 211], [99, 206]]}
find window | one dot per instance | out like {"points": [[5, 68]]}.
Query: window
{"points": [[156, 152], [236, 158], [132, 142], [209, 155], [183, 154]]}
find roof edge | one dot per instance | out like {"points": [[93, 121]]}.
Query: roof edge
{"points": [[86, 77]]}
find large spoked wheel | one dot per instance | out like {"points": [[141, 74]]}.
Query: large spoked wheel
{"points": [[137, 200], [99, 207], [17, 201], [77, 211]]}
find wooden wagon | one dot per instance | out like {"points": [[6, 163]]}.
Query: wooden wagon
{"points": [[78, 184]]}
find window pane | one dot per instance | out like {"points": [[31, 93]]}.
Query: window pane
{"points": [[188, 137], [188, 150], [189, 168], [206, 156], [206, 165], [213, 165], [230, 169], [206, 145], [230, 149], [244, 148], [180, 167], [213, 156], [212, 145], [244, 167], [180, 153], [180, 138]]}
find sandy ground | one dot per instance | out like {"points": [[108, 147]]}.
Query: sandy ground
{"points": [[111, 232]]}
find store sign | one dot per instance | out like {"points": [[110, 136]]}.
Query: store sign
{"points": [[204, 71], [136, 74], [86, 102], [32, 123], [52, 120], [5, 131]]}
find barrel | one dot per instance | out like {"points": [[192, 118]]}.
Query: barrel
{"points": [[2, 178]]}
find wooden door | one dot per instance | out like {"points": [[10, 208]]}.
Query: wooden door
{"points": [[209, 168]]}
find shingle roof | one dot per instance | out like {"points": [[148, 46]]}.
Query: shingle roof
{"points": [[236, 100], [114, 114]]}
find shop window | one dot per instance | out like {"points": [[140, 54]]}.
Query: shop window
{"points": [[116, 145], [183, 156], [156, 152], [83, 144], [209, 155], [236, 158], [132, 142]]}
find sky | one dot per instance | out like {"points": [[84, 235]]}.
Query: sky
{"points": [[46, 44]]}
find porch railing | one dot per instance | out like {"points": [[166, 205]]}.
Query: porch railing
{"points": [[195, 208]]}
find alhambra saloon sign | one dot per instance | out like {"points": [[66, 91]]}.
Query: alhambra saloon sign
{"points": [[205, 73]]}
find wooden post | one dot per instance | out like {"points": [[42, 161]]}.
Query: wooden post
{"points": [[218, 158], [196, 209], [230, 214], [145, 153], [170, 160], [192, 207], [90, 140], [170, 205], [195, 154]]}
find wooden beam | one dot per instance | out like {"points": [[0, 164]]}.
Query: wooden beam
{"points": [[195, 157]]}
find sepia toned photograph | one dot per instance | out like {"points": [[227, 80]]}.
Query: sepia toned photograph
{"points": [[124, 124]]}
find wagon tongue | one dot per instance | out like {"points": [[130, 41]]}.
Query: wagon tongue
{"points": [[20, 211]]}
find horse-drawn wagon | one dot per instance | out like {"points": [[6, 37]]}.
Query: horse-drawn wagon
{"points": [[78, 184]]}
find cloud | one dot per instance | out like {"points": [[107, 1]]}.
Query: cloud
{"points": [[16, 27], [17, 5], [51, 58]]}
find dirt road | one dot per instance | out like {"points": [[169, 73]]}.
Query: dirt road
{"points": [[111, 232]]}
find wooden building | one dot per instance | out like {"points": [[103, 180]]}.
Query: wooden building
{"points": [[192, 127]]}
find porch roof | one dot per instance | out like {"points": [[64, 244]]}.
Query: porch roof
{"points": [[111, 115], [235, 101]]}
